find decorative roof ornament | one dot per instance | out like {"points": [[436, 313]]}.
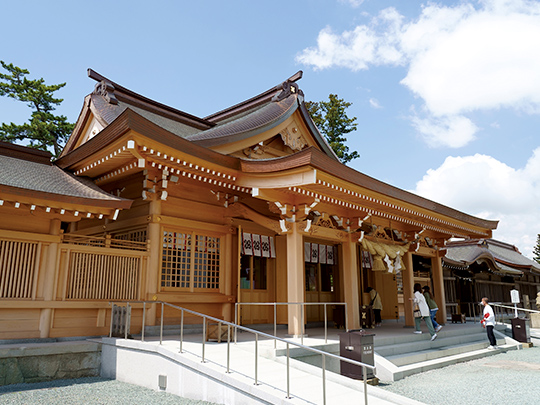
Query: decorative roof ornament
{"points": [[295, 141], [288, 88], [106, 89]]}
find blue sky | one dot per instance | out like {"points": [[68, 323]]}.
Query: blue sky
{"points": [[447, 95]]}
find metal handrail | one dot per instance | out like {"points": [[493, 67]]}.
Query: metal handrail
{"points": [[302, 310], [257, 334], [506, 307]]}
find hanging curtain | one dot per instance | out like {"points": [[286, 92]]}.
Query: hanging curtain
{"points": [[318, 253], [258, 245]]}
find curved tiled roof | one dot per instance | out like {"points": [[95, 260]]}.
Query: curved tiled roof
{"points": [[109, 112], [248, 124], [502, 256], [46, 178]]}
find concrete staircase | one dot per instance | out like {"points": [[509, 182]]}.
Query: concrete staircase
{"points": [[401, 356]]}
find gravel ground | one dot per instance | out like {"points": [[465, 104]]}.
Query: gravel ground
{"points": [[507, 378], [92, 391]]}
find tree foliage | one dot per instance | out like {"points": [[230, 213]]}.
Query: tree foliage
{"points": [[536, 250], [43, 130], [331, 119]]}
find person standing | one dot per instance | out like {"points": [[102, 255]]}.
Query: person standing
{"points": [[424, 311], [376, 304], [433, 308], [488, 322]]}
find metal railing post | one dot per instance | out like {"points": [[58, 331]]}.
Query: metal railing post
{"points": [[126, 321], [235, 322], [112, 320], [364, 369], [324, 378], [161, 327], [346, 317], [275, 324], [228, 348], [181, 330], [325, 325], [256, 356], [288, 374], [203, 337], [143, 320], [302, 322]]}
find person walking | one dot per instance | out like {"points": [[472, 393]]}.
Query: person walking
{"points": [[420, 300], [376, 304], [488, 322], [433, 308]]}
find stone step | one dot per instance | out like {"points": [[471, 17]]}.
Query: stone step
{"points": [[439, 352], [420, 367], [423, 342], [446, 332]]}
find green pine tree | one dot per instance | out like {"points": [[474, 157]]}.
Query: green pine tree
{"points": [[44, 130], [536, 250], [332, 121]]}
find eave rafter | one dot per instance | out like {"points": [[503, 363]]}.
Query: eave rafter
{"points": [[66, 212], [355, 204], [167, 168]]}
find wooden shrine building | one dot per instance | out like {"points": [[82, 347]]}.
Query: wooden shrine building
{"points": [[248, 204], [477, 268]]}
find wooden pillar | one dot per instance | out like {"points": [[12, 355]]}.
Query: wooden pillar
{"points": [[408, 284], [226, 279], [49, 277], [295, 279], [350, 283], [438, 288], [154, 258]]}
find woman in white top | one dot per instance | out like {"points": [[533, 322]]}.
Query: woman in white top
{"points": [[424, 311]]}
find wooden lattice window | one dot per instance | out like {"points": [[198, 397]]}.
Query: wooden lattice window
{"points": [[190, 261]]}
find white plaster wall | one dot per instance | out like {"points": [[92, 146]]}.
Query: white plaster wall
{"points": [[139, 364]]}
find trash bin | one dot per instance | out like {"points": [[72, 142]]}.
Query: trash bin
{"points": [[520, 330], [367, 317], [356, 345]]}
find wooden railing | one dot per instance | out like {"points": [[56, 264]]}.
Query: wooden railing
{"points": [[106, 242], [18, 268]]}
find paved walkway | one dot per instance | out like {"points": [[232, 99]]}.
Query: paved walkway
{"points": [[507, 378]]}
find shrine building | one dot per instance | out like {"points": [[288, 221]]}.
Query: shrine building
{"points": [[248, 204]]}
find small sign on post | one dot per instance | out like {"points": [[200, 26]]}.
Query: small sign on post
{"points": [[514, 296]]}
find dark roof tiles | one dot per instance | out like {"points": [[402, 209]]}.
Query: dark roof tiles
{"points": [[243, 125], [32, 176]]}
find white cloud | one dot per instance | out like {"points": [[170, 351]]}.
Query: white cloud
{"points": [[374, 103], [460, 59], [504, 193], [352, 3], [450, 131]]}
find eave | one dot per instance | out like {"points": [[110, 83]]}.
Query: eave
{"points": [[337, 184]]}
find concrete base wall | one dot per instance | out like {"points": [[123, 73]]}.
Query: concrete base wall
{"points": [[136, 363], [37, 362]]}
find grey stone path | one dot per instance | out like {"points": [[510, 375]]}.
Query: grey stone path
{"points": [[511, 378], [88, 391]]}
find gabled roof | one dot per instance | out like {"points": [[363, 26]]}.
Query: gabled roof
{"points": [[499, 256], [28, 172], [241, 121]]}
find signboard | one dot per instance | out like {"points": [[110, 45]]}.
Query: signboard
{"points": [[514, 295]]}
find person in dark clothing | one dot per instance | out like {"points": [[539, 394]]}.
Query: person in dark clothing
{"points": [[376, 304]]}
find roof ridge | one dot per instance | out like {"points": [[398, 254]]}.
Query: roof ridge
{"points": [[25, 153], [110, 90], [282, 90]]}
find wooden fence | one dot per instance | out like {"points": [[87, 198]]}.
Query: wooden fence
{"points": [[19, 261]]}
